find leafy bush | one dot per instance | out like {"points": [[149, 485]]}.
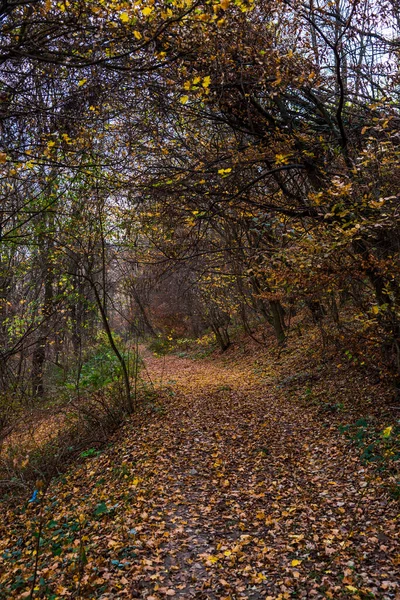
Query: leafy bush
{"points": [[161, 345], [99, 370], [78, 428]]}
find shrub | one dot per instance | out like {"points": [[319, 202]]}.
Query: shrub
{"points": [[99, 370], [161, 345]]}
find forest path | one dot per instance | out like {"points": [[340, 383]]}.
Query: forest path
{"points": [[256, 498], [224, 487]]}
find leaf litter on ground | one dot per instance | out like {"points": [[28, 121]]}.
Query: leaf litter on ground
{"points": [[239, 489]]}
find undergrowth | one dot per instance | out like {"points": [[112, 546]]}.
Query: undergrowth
{"points": [[28, 458], [91, 406], [378, 446]]}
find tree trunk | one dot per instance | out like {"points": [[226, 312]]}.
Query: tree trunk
{"points": [[277, 320], [39, 354]]}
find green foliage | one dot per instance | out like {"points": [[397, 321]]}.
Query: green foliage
{"points": [[90, 453], [376, 445], [161, 345], [101, 369], [101, 509], [395, 490]]}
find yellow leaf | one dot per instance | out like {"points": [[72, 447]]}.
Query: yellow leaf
{"points": [[61, 590], [137, 35], [387, 431], [187, 85], [206, 82], [351, 588], [296, 562], [225, 4], [375, 309], [82, 82], [281, 159], [184, 99], [213, 559], [147, 11], [124, 17]]}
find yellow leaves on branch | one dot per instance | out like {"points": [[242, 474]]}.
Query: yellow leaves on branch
{"points": [[198, 84], [282, 159], [126, 18], [224, 172], [63, 5], [317, 198]]}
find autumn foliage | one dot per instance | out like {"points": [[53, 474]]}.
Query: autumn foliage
{"points": [[186, 175]]}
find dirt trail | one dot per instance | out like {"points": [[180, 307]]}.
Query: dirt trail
{"points": [[257, 499], [224, 489]]}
